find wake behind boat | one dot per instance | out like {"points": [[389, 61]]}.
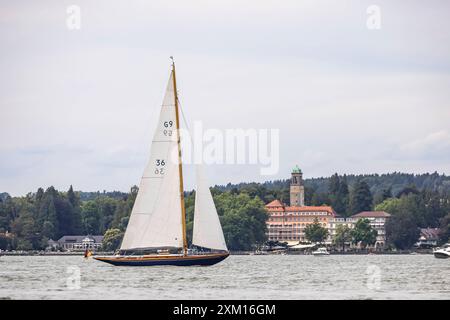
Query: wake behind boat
{"points": [[156, 232]]}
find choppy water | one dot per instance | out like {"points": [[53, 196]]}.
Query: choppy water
{"points": [[238, 277]]}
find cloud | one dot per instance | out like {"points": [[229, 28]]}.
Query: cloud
{"points": [[79, 107], [435, 145]]}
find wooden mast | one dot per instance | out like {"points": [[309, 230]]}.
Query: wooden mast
{"points": [[180, 165]]}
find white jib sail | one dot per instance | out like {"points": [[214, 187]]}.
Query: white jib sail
{"points": [[207, 229], [155, 220]]}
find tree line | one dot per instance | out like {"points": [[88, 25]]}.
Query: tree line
{"points": [[37, 217], [33, 219]]}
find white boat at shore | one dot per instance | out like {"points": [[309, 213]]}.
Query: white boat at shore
{"points": [[442, 253], [320, 252]]}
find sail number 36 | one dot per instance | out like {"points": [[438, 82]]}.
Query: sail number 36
{"points": [[160, 166]]}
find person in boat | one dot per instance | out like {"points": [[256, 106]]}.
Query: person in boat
{"points": [[87, 253]]}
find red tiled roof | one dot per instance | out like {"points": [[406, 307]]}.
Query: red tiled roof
{"points": [[310, 208], [274, 203], [277, 206], [372, 214], [430, 233]]}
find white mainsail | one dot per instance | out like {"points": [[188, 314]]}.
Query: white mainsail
{"points": [[156, 218], [207, 229]]}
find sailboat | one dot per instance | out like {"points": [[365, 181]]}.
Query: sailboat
{"points": [[156, 231]]}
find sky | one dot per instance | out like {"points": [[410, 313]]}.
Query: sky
{"points": [[79, 106]]}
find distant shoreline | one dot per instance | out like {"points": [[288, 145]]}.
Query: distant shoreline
{"points": [[76, 253], [238, 253], [336, 253]]}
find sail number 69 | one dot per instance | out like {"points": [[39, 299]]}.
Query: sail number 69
{"points": [[168, 124]]}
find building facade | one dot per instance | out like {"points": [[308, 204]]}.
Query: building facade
{"points": [[334, 223], [428, 238], [77, 243], [377, 221], [288, 223]]}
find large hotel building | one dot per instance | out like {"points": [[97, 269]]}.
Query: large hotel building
{"points": [[287, 223]]}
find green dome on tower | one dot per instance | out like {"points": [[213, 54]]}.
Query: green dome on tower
{"points": [[296, 169]]}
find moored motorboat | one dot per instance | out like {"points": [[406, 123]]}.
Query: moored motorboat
{"points": [[259, 253], [442, 253], [320, 252]]}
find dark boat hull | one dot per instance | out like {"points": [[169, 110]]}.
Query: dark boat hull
{"points": [[184, 261], [441, 255]]}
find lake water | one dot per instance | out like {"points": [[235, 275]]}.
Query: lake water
{"points": [[238, 277]]}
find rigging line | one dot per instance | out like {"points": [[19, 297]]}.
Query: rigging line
{"points": [[188, 130], [185, 122]]}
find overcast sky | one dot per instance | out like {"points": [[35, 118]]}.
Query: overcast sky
{"points": [[79, 106]]}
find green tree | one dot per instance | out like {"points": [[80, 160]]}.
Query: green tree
{"points": [[71, 196], [112, 239], [410, 189], [47, 215], [320, 199], [435, 207], [344, 196], [363, 233], [389, 205], [235, 229], [444, 230], [106, 208], [24, 244], [382, 195], [243, 220], [26, 231], [338, 194], [7, 214], [334, 184], [123, 210], [314, 232], [343, 235], [402, 230], [361, 198], [386, 193], [75, 211], [407, 215], [90, 217], [65, 216], [189, 200], [7, 242]]}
